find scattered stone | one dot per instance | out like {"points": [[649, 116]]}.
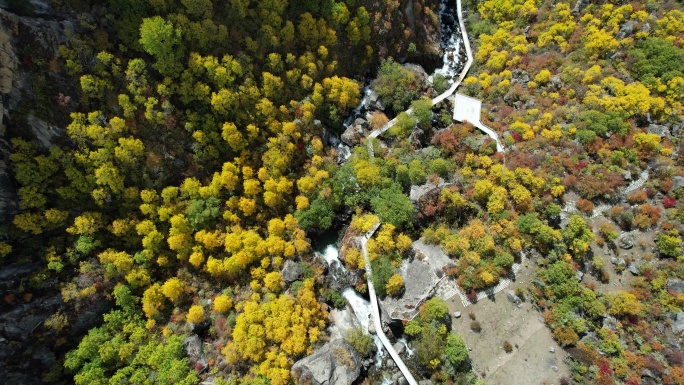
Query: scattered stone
{"points": [[633, 269], [554, 368], [457, 314], [647, 373], [552, 350], [675, 285], [618, 261], [425, 382], [556, 82], [513, 297], [579, 275], [334, 363], [678, 324], [626, 241], [367, 363], [579, 6], [626, 175], [520, 76], [291, 271]]}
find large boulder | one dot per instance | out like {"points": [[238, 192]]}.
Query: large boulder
{"points": [[335, 363], [626, 241], [291, 271], [374, 102], [355, 133]]}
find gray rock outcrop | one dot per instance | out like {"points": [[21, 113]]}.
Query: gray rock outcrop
{"points": [[678, 182], [678, 324], [195, 353], [626, 30], [43, 131], [520, 76], [675, 285], [418, 191], [659, 130], [335, 363]]}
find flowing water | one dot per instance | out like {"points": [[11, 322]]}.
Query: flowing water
{"points": [[360, 306]]}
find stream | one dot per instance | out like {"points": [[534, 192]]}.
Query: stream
{"points": [[452, 46]]}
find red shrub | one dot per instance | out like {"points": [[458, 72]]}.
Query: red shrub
{"points": [[669, 202], [604, 369], [447, 141]]}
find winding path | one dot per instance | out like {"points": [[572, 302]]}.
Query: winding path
{"points": [[363, 240], [473, 116], [374, 309]]}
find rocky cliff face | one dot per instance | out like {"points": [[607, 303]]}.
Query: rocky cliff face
{"points": [[25, 41], [28, 349]]}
